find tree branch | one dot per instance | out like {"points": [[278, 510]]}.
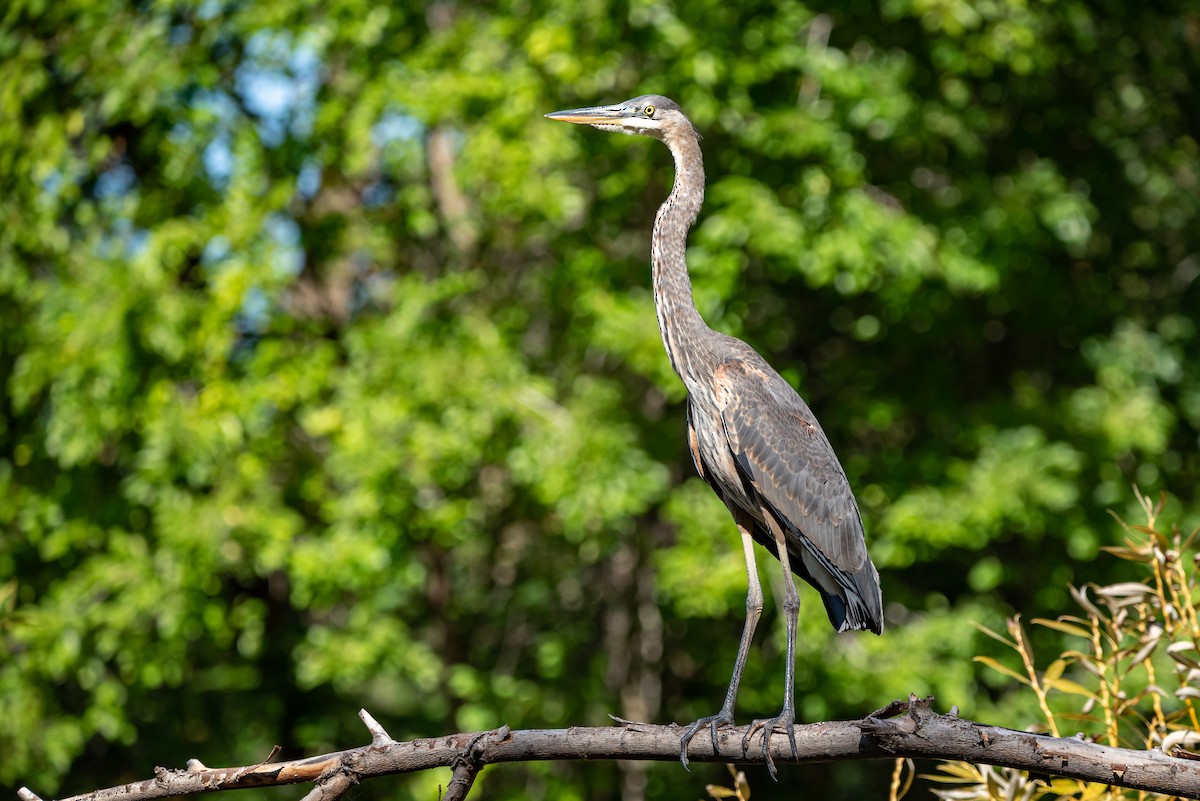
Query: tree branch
{"points": [[919, 732]]}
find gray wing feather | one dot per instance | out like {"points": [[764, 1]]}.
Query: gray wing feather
{"points": [[784, 454]]}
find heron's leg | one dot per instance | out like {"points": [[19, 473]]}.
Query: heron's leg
{"points": [[754, 605], [791, 610]]}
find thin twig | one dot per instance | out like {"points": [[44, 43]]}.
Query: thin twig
{"points": [[460, 783], [332, 788], [379, 735]]}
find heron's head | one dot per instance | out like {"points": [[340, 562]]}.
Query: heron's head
{"points": [[648, 115]]}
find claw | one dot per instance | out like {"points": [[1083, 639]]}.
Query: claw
{"points": [[784, 719], [751, 730], [722, 718]]}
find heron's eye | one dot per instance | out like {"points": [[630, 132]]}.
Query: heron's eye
{"points": [[649, 111]]}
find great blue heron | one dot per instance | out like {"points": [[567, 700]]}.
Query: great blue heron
{"points": [[753, 439]]}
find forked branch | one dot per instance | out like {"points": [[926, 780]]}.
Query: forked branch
{"points": [[916, 732]]}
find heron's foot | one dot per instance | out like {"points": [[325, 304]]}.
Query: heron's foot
{"points": [[722, 718], [782, 722]]}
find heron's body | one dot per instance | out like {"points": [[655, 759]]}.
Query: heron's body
{"points": [[785, 473], [752, 437]]}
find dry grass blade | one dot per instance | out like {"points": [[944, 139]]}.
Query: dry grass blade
{"points": [[1055, 670], [1149, 644], [1065, 628], [1179, 652], [1128, 554], [909, 775], [955, 773], [1001, 668], [1124, 593], [739, 791], [998, 637], [1069, 687], [1080, 596]]}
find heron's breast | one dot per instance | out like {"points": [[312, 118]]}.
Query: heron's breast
{"points": [[717, 458]]}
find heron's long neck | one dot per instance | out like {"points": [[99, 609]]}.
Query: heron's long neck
{"points": [[678, 320]]}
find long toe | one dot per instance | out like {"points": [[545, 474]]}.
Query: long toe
{"points": [[751, 730], [782, 722], [714, 722]]}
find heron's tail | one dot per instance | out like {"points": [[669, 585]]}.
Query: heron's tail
{"points": [[853, 601], [864, 603]]}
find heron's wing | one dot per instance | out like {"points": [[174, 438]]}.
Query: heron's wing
{"points": [[784, 455]]}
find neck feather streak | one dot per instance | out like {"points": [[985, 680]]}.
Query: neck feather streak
{"points": [[678, 320]]}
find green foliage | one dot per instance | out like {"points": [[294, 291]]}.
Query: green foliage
{"points": [[330, 377]]}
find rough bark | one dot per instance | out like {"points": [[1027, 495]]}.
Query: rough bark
{"points": [[918, 732]]}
